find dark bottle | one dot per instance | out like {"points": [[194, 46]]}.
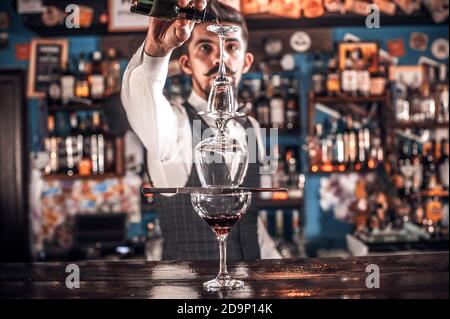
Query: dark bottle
{"points": [[263, 105], [51, 146], [85, 163], [444, 165], [111, 69], [82, 83], [429, 168], [291, 165], [443, 97], [67, 84], [416, 162], [352, 143], [54, 89], [333, 80], [327, 147], [97, 145], [318, 78], [112, 149], [72, 147], [349, 77], [406, 169], [277, 106], [169, 10], [292, 107], [96, 78]]}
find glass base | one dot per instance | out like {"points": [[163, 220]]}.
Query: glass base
{"points": [[225, 283]]}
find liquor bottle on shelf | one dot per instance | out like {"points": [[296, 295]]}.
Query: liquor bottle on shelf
{"points": [[406, 169], [292, 107], [54, 89], [82, 84], [428, 102], [349, 77], [361, 156], [97, 146], [340, 149], [73, 143], [351, 136], [402, 104], [112, 151], [246, 99], [68, 82], [277, 107], [263, 105], [433, 213], [266, 180], [417, 165], [442, 95], [376, 151], [333, 84], [111, 70], [315, 148], [279, 176], [444, 165], [51, 143], [169, 10], [327, 149], [96, 78], [429, 167], [292, 169], [416, 104], [367, 137], [363, 74], [85, 164], [318, 77]]}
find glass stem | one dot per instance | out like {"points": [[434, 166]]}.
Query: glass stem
{"points": [[222, 70], [223, 272]]}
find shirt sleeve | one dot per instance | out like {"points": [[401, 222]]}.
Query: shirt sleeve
{"points": [[162, 128]]}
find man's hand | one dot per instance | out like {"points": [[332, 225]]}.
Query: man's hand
{"points": [[164, 36]]}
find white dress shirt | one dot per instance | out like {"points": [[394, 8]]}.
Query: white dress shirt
{"points": [[165, 131]]}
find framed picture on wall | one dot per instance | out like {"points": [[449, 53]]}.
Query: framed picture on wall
{"points": [[121, 19], [364, 53], [47, 56]]}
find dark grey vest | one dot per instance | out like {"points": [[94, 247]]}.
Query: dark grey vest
{"points": [[188, 237]]}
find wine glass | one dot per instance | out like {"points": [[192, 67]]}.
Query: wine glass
{"points": [[221, 212], [221, 160]]}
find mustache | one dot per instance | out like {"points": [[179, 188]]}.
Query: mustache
{"points": [[215, 70]]}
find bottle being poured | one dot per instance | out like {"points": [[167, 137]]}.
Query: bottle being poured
{"points": [[170, 10]]}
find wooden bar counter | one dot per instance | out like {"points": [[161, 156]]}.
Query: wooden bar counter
{"points": [[401, 276]]}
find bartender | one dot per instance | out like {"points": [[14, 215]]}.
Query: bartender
{"points": [[166, 130]]}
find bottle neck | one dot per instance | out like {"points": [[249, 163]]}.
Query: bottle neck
{"points": [[169, 10], [196, 15]]}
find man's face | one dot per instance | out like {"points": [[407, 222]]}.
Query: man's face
{"points": [[203, 59]]}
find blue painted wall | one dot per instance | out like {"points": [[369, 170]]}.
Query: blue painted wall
{"points": [[322, 229]]}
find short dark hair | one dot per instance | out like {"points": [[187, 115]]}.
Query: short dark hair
{"points": [[224, 13]]}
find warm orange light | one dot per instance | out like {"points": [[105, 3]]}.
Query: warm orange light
{"points": [[314, 168], [327, 168], [341, 168], [280, 196]]}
